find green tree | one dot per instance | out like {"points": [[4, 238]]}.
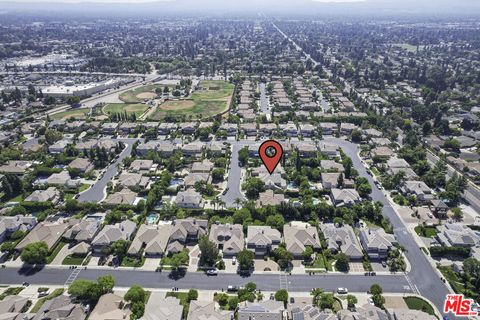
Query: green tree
{"points": [[81, 289], [282, 256], [243, 155], [253, 187], [245, 260], [136, 294], [35, 253], [307, 253], [376, 289], [281, 295], [192, 295], [52, 136], [209, 252], [378, 300], [233, 303], [275, 221], [342, 262], [326, 301], [351, 300]]}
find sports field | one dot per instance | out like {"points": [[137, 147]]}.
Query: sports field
{"points": [[140, 94], [137, 109], [211, 98], [80, 113]]}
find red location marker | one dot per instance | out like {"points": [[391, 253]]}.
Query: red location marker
{"points": [[270, 152]]}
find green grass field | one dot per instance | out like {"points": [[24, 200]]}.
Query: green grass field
{"points": [[415, 303], [212, 98], [131, 96], [73, 260], [137, 109], [409, 47], [428, 232], [73, 113]]}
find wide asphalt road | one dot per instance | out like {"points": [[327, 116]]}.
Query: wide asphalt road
{"points": [[422, 276], [265, 282], [96, 192]]}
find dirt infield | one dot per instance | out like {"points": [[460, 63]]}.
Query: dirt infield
{"points": [[146, 95]]}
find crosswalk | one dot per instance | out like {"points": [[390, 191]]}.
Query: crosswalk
{"points": [[412, 286], [283, 281], [72, 277]]}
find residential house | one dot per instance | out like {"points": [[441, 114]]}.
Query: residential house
{"points": [[109, 127], [228, 237], [419, 189], [111, 233], [205, 166], [194, 177], [59, 146], [347, 128], [153, 239], [329, 150], [81, 164], [193, 148], [11, 308], [112, 307], [345, 197], [262, 310], [457, 235], [83, 230], [306, 149], [376, 242], [330, 179], [262, 239], [342, 239], [61, 307], [439, 208], [141, 165], [309, 312], [186, 231], [382, 153], [50, 194], [125, 196], [63, 179], [298, 235], [9, 225], [268, 198], [328, 128], [17, 167], [166, 128], [202, 310], [188, 127], [48, 232], [331, 166], [189, 199], [161, 307], [249, 129], [133, 180]]}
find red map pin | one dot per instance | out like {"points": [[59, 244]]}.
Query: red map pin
{"points": [[270, 152]]}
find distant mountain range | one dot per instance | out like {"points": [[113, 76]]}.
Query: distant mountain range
{"points": [[301, 7]]}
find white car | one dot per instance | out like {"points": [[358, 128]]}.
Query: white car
{"points": [[370, 301], [234, 260], [342, 290], [213, 272]]}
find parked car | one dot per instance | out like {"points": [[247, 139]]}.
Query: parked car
{"points": [[234, 260], [213, 272], [370, 301], [232, 289], [292, 300], [342, 291]]}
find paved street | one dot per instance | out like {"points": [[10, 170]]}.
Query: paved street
{"points": [[265, 282], [264, 102], [234, 175], [422, 275], [96, 193]]}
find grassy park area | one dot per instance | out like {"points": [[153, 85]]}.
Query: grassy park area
{"points": [[80, 113], [137, 109], [211, 98]]}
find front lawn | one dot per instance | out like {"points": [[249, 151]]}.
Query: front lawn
{"points": [[73, 260], [55, 251], [133, 262], [415, 303], [427, 232], [13, 291], [321, 262]]}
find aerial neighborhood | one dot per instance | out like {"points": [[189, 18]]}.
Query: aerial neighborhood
{"points": [[132, 185]]}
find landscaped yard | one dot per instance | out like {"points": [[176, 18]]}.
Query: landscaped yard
{"points": [[55, 251], [80, 113], [137, 109], [212, 97], [321, 262], [10, 292], [452, 278], [73, 260], [424, 231], [415, 303], [133, 262]]}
